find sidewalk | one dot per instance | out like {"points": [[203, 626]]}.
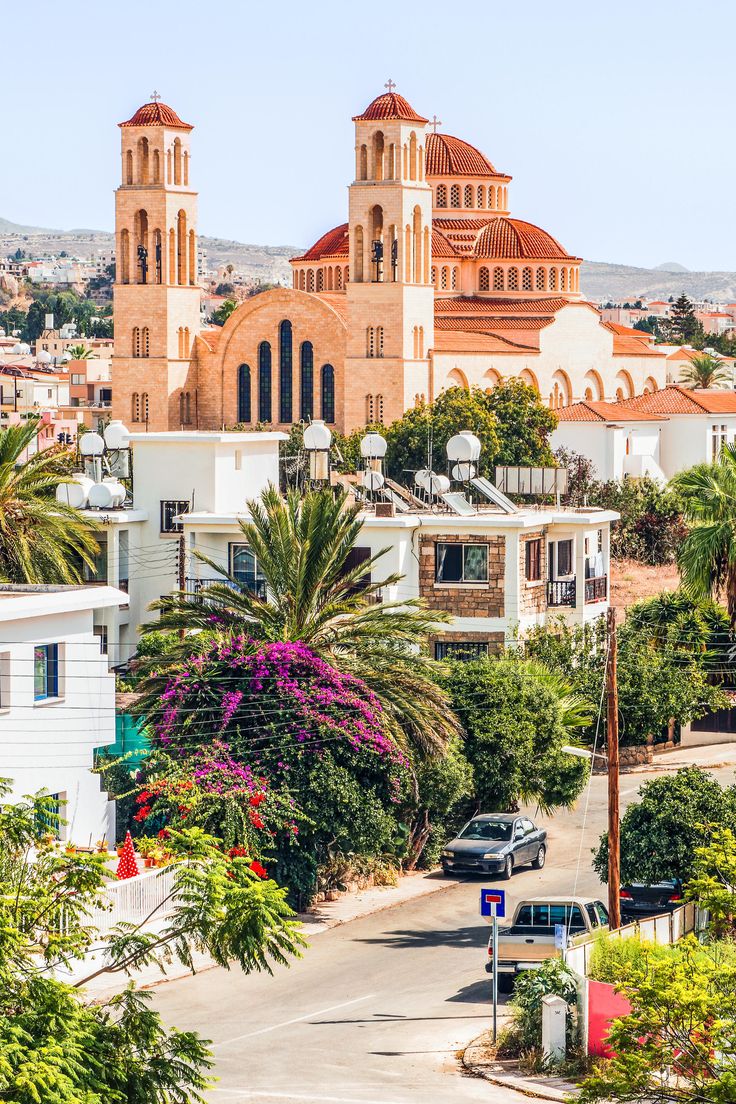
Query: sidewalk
{"points": [[329, 914], [506, 1074]]}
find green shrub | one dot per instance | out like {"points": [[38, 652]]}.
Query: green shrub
{"points": [[551, 978]]}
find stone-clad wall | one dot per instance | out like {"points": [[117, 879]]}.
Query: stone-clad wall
{"points": [[494, 640], [532, 595], [464, 599]]}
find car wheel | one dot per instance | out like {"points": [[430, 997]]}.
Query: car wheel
{"points": [[508, 868], [506, 983], [446, 872], [541, 858]]}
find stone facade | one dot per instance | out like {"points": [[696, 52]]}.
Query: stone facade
{"points": [[495, 640], [532, 594], [464, 599]]}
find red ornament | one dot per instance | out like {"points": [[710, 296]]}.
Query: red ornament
{"points": [[127, 866]]}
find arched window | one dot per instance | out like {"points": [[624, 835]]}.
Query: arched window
{"points": [[285, 361], [157, 258], [135, 407], [513, 279], [182, 408], [187, 348], [310, 280], [177, 160], [168, 167], [416, 342], [498, 279], [346, 277], [370, 341], [455, 195], [553, 279], [483, 279], [407, 254], [421, 341], [136, 342], [302, 280], [434, 276], [540, 279], [379, 409], [244, 393], [379, 341], [338, 279], [180, 341], [328, 393], [369, 410], [468, 197], [192, 258], [172, 256], [186, 168], [264, 382], [453, 278], [129, 167], [363, 163], [378, 155], [426, 251], [563, 279], [145, 341], [443, 279], [358, 258], [140, 225], [320, 279], [156, 167], [188, 408], [329, 278], [142, 160], [144, 405], [417, 244], [306, 380], [526, 279], [441, 195], [181, 247], [413, 156], [481, 200], [124, 274]]}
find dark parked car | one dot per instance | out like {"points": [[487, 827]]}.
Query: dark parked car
{"points": [[495, 843], [639, 900]]}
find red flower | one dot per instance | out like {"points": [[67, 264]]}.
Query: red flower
{"points": [[238, 852], [143, 797], [164, 833], [142, 813], [258, 869], [257, 820], [257, 798]]}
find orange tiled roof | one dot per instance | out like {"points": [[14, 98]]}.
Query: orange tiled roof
{"points": [[448, 156], [211, 337], [587, 411], [506, 238], [627, 331], [477, 305], [483, 325], [337, 301], [634, 346], [441, 246], [683, 400], [156, 114], [335, 243], [390, 106], [461, 341]]}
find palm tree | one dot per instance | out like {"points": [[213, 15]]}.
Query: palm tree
{"points": [[707, 556], [303, 545], [81, 352], [41, 540], [705, 370]]}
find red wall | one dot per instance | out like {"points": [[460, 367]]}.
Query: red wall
{"points": [[604, 1005]]}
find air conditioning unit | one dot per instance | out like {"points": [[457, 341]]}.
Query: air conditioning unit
{"points": [[385, 509]]}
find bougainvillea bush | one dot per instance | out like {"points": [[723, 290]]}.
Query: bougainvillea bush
{"points": [[284, 723]]}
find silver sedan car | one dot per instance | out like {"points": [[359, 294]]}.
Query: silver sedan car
{"points": [[495, 843]]}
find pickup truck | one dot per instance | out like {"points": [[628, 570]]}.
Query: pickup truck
{"points": [[530, 937]]}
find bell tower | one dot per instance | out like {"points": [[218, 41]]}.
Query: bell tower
{"points": [[390, 293], [156, 295]]}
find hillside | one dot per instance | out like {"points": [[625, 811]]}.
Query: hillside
{"points": [[599, 281]]}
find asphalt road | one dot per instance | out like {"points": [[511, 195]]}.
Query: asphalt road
{"points": [[376, 1010]]}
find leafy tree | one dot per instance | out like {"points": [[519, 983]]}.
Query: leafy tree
{"points": [[651, 528], [677, 1044], [220, 316], [444, 791], [713, 881], [41, 540], [662, 831], [81, 352], [516, 716], [313, 595], [455, 409], [523, 424], [224, 289], [58, 1045], [707, 556], [705, 371], [684, 326]]}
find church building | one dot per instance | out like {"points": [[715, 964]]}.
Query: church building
{"points": [[430, 284]]}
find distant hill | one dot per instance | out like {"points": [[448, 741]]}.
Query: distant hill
{"points": [[670, 266], [621, 283]]}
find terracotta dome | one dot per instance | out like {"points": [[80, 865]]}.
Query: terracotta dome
{"points": [[509, 239], [441, 246], [390, 106], [448, 156], [156, 114], [335, 243]]}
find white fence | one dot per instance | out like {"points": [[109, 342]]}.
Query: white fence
{"points": [[134, 900], [667, 928]]}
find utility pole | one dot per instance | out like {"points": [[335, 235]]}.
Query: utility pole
{"points": [[614, 828]]}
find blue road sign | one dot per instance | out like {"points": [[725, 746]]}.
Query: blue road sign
{"points": [[492, 902]]}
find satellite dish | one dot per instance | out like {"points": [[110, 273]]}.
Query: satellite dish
{"points": [[422, 478], [461, 473], [463, 446], [91, 444], [373, 446], [317, 437], [372, 480], [116, 436]]}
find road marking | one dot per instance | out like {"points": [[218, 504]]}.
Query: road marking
{"points": [[288, 1023]]}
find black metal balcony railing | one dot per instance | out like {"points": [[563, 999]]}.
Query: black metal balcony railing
{"points": [[561, 592], [596, 589], [194, 587]]}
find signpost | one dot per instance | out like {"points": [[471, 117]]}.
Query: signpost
{"points": [[493, 906]]}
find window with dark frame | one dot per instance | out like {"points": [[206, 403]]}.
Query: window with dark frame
{"points": [[464, 650], [356, 557], [461, 563], [245, 570], [564, 558], [45, 671], [171, 508], [533, 560]]}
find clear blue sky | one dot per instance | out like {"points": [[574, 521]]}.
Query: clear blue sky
{"points": [[615, 119]]}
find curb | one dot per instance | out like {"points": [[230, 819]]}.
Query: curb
{"points": [[523, 1088], [308, 918]]}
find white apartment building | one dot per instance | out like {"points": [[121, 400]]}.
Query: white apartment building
{"points": [[497, 573], [57, 701]]}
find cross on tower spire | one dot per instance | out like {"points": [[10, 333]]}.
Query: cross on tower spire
{"points": [[390, 85], [434, 122], [155, 96]]}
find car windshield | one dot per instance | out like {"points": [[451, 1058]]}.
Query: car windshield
{"points": [[496, 830]]}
